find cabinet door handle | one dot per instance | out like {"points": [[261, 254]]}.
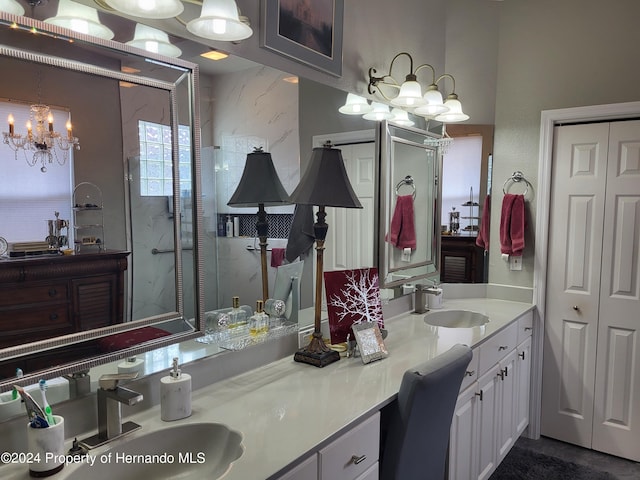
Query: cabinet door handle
{"points": [[503, 347], [527, 329], [470, 373], [479, 395], [521, 355], [500, 374], [358, 459], [53, 292], [506, 371]]}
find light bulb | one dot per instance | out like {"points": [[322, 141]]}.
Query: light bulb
{"points": [[219, 26]]}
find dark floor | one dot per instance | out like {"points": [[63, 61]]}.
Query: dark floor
{"points": [[621, 468]]}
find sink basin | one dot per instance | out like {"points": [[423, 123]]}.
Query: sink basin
{"points": [[198, 450], [456, 319]]}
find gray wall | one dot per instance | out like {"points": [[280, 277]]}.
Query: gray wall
{"points": [[554, 54], [511, 60]]}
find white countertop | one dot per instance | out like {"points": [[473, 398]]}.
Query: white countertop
{"points": [[285, 409]]}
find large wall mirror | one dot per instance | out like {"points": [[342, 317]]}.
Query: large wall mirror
{"points": [[242, 103], [135, 117], [408, 239]]}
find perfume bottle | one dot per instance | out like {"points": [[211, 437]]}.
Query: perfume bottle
{"points": [[259, 322], [237, 316]]}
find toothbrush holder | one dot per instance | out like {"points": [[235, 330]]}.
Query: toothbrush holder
{"points": [[46, 448]]}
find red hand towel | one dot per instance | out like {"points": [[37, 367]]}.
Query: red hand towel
{"points": [[512, 224], [482, 240], [403, 229], [517, 227], [277, 256]]}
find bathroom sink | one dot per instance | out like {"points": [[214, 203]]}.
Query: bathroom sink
{"points": [[456, 319], [197, 450]]}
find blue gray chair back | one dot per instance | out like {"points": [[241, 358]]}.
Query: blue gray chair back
{"points": [[416, 427]]}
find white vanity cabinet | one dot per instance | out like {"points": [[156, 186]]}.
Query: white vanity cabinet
{"points": [[307, 470], [351, 456], [492, 411]]}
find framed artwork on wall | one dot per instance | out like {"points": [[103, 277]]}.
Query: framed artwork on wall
{"points": [[309, 32]]}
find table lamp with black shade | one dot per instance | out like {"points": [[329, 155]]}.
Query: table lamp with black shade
{"points": [[324, 184], [260, 187]]}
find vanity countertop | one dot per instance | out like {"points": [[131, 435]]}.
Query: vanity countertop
{"points": [[286, 410]]}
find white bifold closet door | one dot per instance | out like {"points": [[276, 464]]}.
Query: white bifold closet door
{"points": [[591, 379]]}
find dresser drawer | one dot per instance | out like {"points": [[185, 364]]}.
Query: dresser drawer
{"points": [[525, 326], [353, 453], [18, 326], [496, 347], [471, 374], [31, 294]]}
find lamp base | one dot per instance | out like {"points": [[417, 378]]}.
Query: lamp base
{"points": [[316, 353]]}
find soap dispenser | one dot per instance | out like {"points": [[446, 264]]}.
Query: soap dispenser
{"points": [[175, 394]]}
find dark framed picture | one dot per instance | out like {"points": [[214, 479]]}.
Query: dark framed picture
{"points": [[308, 31]]}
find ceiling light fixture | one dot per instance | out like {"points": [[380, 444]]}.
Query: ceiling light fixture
{"points": [[44, 142], [214, 55]]}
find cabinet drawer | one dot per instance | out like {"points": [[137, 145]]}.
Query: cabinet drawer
{"points": [[22, 294], [353, 453], [495, 348], [307, 470], [525, 326], [371, 474], [471, 374]]}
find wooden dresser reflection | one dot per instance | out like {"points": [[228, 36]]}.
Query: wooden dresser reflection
{"points": [[50, 295], [461, 260]]}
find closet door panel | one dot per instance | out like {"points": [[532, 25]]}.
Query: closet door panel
{"points": [[616, 427], [573, 282]]}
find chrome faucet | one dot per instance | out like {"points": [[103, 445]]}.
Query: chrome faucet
{"points": [[420, 304], [111, 397], [420, 299]]}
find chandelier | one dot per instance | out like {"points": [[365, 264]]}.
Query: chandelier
{"points": [[45, 143]]}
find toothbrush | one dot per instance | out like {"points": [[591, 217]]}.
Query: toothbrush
{"points": [[45, 405], [19, 374]]}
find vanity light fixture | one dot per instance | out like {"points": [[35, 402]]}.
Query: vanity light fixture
{"points": [[379, 111], [409, 93], [220, 20], [44, 142], [355, 105], [260, 187], [155, 9], [12, 7], [401, 117], [324, 184], [154, 41], [81, 19]]}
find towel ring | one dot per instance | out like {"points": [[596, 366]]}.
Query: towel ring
{"points": [[408, 180], [517, 177]]}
